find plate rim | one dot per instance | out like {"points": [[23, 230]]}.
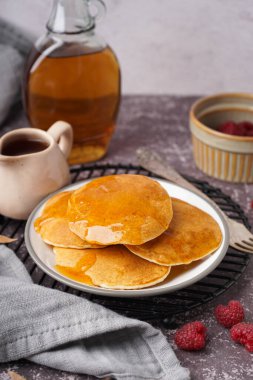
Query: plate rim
{"points": [[125, 293]]}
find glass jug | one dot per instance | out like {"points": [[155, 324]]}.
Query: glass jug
{"points": [[73, 75]]}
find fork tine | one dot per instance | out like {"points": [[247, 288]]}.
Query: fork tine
{"points": [[240, 249], [243, 248], [248, 243], [246, 247]]}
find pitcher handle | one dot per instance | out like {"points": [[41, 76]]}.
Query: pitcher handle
{"points": [[100, 9], [62, 133]]}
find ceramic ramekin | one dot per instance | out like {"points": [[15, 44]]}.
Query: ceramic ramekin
{"points": [[220, 155]]}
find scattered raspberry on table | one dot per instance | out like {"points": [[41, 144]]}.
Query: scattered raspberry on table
{"points": [[191, 336], [229, 315], [243, 333]]}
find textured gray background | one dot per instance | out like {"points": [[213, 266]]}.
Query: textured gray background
{"points": [[167, 46], [161, 123]]}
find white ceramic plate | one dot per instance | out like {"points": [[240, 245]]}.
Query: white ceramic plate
{"points": [[43, 254]]}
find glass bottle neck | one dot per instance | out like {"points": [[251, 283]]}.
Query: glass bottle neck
{"points": [[70, 17]]}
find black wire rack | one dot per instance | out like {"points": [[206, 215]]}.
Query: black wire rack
{"points": [[158, 308]]}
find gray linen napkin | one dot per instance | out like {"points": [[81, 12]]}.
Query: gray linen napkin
{"points": [[72, 334], [14, 47]]}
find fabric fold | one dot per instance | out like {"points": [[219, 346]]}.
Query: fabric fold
{"points": [[70, 333], [14, 48]]}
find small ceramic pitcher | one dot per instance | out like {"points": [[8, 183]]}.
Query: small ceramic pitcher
{"points": [[26, 179]]}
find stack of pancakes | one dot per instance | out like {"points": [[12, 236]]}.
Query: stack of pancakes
{"points": [[124, 232]]}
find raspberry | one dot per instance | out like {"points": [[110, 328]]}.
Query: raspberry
{"points": [[243, 334], [229, 315], [247, 128], [229, 127], [244, 128], [191, 336]]}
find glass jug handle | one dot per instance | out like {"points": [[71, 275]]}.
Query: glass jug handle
{"points": [[100, 9]]}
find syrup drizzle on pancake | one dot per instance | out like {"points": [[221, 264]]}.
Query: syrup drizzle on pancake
{"points": [[120, 209], [113, 267]]}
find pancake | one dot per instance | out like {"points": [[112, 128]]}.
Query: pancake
{"points": [[55, 231], [113, 267], [120, 209], [55, 207], [192, 235]]}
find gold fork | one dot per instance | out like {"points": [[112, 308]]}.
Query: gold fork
{"points": [[240, 237]]}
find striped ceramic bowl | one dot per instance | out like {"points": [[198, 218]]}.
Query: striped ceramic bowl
{"points": [[220, 155]]}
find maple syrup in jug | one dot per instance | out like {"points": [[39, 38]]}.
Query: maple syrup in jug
{"points": [[72, 75]]}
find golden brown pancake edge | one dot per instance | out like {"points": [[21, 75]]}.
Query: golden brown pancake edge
{"points": [[113, 267], [56, 232], [192, 235], [55, 207]]}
